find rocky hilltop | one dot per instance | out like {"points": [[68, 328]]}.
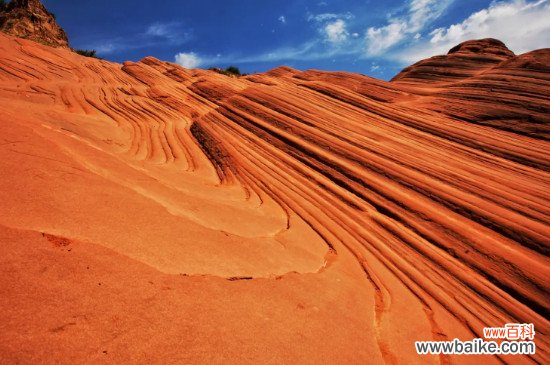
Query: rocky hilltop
{"points": [[465, 60], [29, 19], [156, 214], [483, 82]]}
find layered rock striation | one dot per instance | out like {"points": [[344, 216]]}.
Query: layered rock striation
{"points": [[156, 214]]}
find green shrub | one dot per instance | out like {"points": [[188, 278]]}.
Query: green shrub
{"points": [[233, 70], [230, 71], [87, 52]]}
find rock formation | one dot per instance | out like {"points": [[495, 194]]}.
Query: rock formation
{"points": [[472, 83], [156, 214], [463, 61], [29, 19]]}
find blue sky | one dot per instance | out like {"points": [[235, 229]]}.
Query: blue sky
{"points": [[376, 38]]}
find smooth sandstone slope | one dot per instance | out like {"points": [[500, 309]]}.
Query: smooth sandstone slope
{"points": [[155, 214]]}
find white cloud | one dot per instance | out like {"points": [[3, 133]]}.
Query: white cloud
{"points": [[522, 25], [423, 12], [332, 26], [311, 50], [156, 34], [418, 15], [336, 31], [380, 39], [170, 33], [328, 16], [306, 51], [105, 48], [282, 19], [188, 60], [158, 30]]}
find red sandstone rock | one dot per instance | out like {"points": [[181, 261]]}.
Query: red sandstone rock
{"points": [[29, 19], [154, 214], [465, 60]]}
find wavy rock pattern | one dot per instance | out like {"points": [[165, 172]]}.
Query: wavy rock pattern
{"points": [[312, 217]]}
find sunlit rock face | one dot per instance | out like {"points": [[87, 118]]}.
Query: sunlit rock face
{"points": [[29, 19], [155, 214], [467, 59]]}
